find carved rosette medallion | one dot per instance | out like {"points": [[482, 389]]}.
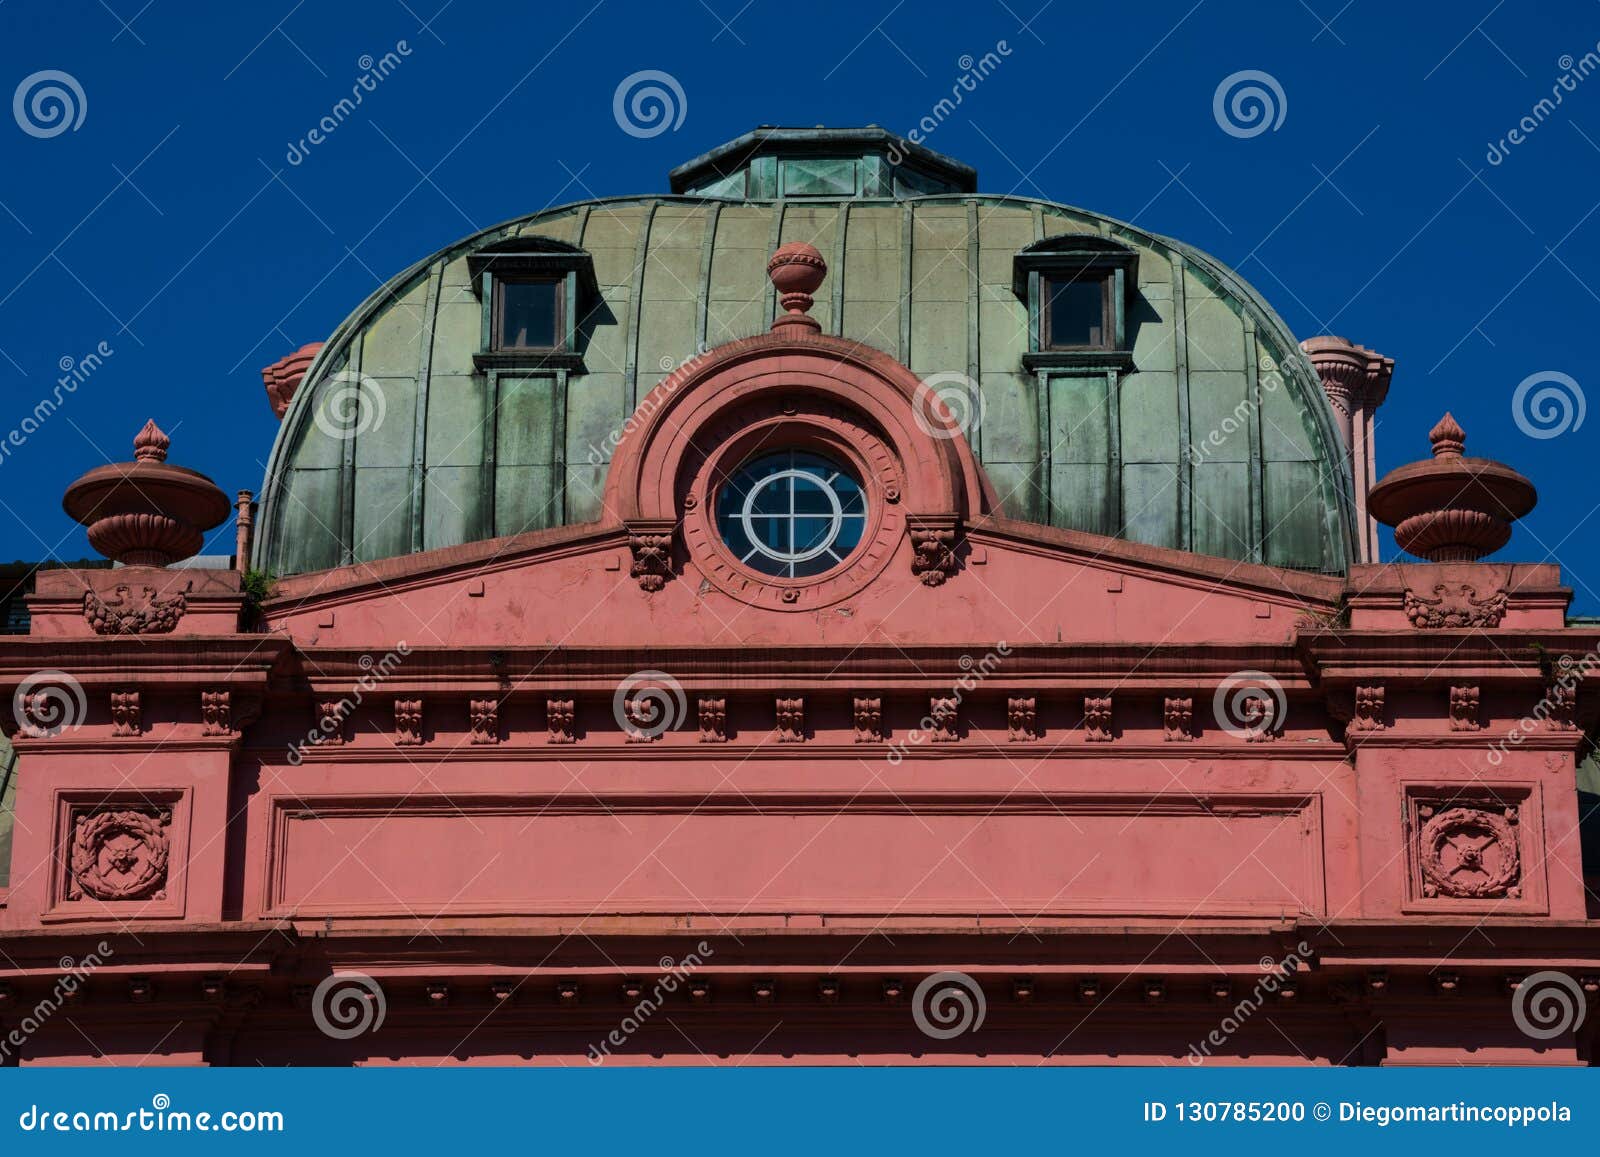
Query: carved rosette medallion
{"points": [[1469, 852], [120, 855]]}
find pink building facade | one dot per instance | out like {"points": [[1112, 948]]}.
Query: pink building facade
{"points": [[963, 786]]}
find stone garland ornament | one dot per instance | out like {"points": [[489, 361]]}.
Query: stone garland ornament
{"points": [[120, 855], [134, 614], [1454, 609], [1469, 853]]}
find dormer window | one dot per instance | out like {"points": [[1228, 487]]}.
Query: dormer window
{"points": [[1076, 311], [527, 314], [536, 291], [1077, 287]]}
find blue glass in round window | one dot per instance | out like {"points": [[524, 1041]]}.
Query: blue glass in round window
{"points": [[792, 513]]}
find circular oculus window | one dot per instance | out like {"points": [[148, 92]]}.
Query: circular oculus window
{"points": [[792, 514]]}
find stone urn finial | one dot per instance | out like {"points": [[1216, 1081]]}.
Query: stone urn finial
{"points": [[797, 270], [146, 512], [1451, 508]]}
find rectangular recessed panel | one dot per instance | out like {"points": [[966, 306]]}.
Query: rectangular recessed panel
{"points": [[1133, 856]]}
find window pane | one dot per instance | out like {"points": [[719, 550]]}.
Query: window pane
{"points": [[818, 178], [792, 514], [528, 314], [1077, 312]]}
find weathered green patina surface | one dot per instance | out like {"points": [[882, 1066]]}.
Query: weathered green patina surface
{"points": [[1217, 440]]}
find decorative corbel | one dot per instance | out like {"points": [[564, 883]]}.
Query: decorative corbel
{"points": [[1097, 718], [1177, 718], [933, 545], [126, 714], [407, 722], [1022, 719], [650, 543], [868, 713]]}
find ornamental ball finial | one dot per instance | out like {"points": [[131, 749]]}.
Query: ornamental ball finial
{"points": [[796, 270]]}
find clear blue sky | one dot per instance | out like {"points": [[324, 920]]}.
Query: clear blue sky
{"points": [[170, 225]]}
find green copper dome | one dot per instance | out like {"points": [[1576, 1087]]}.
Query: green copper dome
{"points": [[1208, 430]]}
